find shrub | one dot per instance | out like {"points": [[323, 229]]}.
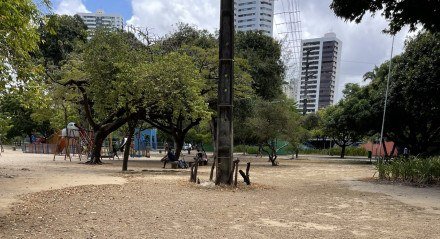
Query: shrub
{"points": [[246, 148], [349, 151], [413, 170]]}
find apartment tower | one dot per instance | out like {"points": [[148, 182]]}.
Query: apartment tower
{"points": [[320, 67], [254, 15], [101, 19]]}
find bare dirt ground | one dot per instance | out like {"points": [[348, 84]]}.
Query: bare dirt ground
{"points": [[314, 198]]}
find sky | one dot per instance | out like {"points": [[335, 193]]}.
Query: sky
{"points": [[363, 45]]}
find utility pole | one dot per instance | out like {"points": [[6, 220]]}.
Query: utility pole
{"points": [[225, 94], [306, 82]]}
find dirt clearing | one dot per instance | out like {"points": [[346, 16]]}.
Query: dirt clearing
{"points": [[298, 199]]}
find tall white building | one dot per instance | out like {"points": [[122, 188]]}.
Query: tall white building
{"points": [[320, 67], [101, 19], [254, 15]]}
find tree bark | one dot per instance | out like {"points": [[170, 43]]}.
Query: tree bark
{"points": [[96, 151], [272, 153], [131, 129], [343, 150], [179, 140]]}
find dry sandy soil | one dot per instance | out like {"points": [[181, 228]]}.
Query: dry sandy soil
{"points": [[309, 198]]}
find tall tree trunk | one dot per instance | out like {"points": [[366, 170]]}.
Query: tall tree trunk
{"points": [[131, 129], [179, 140], [272, 153], [273, 160], [343, 146], [96, 151]]}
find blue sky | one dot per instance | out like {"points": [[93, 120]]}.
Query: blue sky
{"points": [[122, 7], [364, 44]]}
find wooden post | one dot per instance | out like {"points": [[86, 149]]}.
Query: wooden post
{"points": [[246, 176], [110, 145], [211, 175], [225, 94], [236, 171]]}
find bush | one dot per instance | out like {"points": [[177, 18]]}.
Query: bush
{"points": [[413, 170], [349, 151], [246, 148]]}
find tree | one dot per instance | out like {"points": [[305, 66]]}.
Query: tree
{"points": [[59, 36], [313, 127], [51, 101], [107, 75], [178, 106], [19, 37], [273, 121], [243, 110], [263, 54], [344, 121], [19, 117], [202, 47], [413, 115], [398, 12]]}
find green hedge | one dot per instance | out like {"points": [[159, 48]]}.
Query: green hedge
{"points": [[349, 151], [414, 170], [246, 148]]}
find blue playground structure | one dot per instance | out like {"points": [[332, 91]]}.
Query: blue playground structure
{"points": [[144, 141]]}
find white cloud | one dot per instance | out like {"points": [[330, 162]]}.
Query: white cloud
{"points": [[70, 7], [161, 16]]}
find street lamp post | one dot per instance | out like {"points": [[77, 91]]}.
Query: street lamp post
{"points": [[386, 98]]}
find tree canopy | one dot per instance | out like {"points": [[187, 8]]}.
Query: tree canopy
{"points": [[264, 56], [343, 121], [413, 114], [59, 36], [272, 121], [19, 21], [399, 13]]}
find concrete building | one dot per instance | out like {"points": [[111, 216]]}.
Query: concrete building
{"points": [[320, 67], [254, 15], [101, 19]]}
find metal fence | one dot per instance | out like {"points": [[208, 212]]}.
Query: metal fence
{"points": [[40, 148]]}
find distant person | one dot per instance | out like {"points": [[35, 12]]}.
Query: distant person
{"points": [[260, 151], [170, 157], [189, 148], [405, 152], [33, 138]]}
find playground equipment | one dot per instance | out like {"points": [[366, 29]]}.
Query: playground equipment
{"points": [[73, 139], [144, 141]]}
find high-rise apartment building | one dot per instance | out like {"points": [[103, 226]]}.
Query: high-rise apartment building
{"points": [[320, 63], [101, 19], [254, 15]]}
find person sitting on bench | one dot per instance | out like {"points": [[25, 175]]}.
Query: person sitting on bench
{"points": [[201, 157], [170, 157]]}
